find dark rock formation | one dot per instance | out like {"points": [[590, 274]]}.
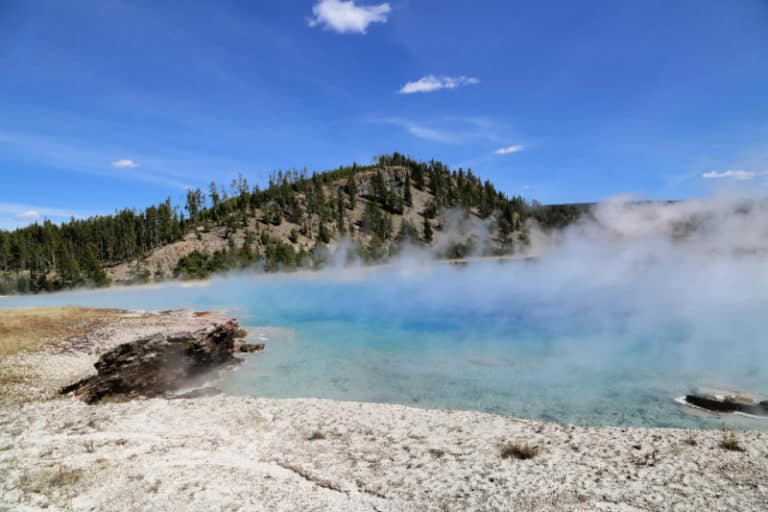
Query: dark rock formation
{"points": [[251, 347], [728, 404], [160, 363]]}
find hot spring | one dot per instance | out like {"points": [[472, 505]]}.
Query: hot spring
{"points": [[588, 340]]}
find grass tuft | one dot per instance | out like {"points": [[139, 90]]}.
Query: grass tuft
{"points": [[521, 451], [316, 436], [436, 452], [730, 441]]}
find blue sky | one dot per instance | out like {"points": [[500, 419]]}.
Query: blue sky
{"points": [[107, 104]]}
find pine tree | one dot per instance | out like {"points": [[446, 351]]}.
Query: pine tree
{"points": [[408, 232], [339, 210], [195, 201], [407, 197], [418, 176], [427, 231], [352, 191], [323, 234], [213, 195]]}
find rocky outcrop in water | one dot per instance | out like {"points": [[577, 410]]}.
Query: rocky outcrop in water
{"points": [[154, 365], [728, 404]]}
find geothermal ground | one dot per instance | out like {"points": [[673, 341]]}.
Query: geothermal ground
{"points": [[247, 453]]}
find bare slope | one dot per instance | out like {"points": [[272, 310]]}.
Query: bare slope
{"points": [[303, 234]]}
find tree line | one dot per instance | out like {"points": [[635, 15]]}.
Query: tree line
{"points": [[46, 257]]}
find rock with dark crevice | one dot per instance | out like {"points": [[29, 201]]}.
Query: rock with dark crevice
{"points": [[251, 347], [154, 365]]}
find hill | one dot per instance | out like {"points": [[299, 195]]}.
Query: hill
{"points": [[297, 221]]}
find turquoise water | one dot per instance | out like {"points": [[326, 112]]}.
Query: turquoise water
{"points": [[516, 338]]}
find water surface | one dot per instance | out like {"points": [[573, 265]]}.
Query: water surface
{"points": [[506, 338]]}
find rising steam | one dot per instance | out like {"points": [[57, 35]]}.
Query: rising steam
{"points": [[637, 299]]}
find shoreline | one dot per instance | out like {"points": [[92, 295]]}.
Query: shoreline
{"points": [[244, 452], [300, 272]]}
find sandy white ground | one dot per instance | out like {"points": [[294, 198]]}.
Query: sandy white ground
{"points": [[239, 453]]}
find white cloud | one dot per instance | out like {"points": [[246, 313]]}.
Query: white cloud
{"points": [[510, 149], [28, 215], [124, 164], [345, 17], [735, 174], [432, 83]]}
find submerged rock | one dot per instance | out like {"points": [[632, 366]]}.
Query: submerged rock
{"points": [[728, 403], [154, 365]]}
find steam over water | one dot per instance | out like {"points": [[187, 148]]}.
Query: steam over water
{"points": [[616, 318]]}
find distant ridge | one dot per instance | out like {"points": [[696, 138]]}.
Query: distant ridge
{"points": [[297, 221]]}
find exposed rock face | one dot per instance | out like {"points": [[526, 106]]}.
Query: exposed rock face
{"points": [[394, 179], [156, 364]]}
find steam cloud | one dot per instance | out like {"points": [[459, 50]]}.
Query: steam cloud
{"points": [[681, 287], [672, 295]]}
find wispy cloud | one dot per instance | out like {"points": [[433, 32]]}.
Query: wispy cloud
{"points": [[734, 174], [422, 131], [510, 149], [344, 17], [124, 164], [451, 130], [431, 83], [14, 215]]}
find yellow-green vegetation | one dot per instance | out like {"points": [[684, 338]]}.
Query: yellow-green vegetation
{"points": [[30, 329]]}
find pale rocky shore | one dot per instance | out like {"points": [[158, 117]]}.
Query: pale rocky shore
{"points": [[246, 453]]}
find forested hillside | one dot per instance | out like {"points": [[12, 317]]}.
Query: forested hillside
{"points": [[297, 221]]}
